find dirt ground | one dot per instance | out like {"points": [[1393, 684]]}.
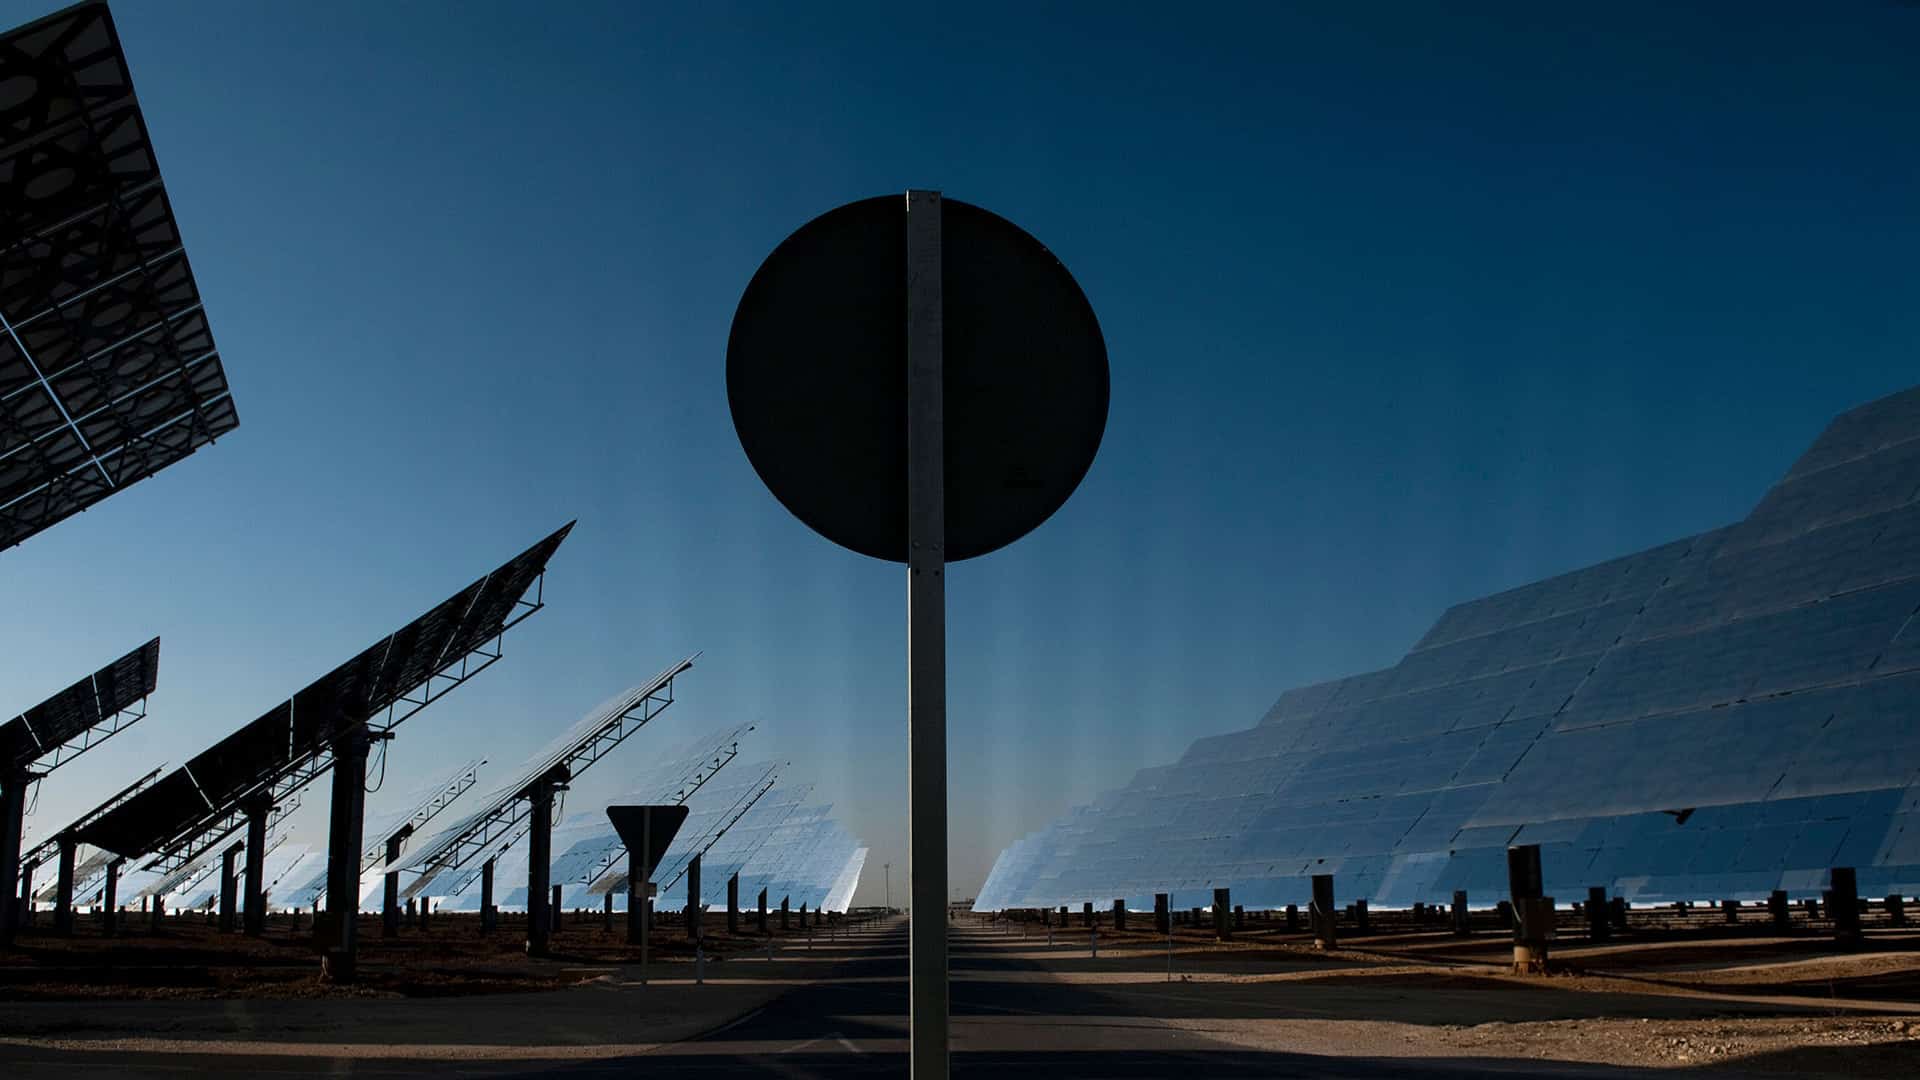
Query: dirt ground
{"points": [[1742, 998], [1669, 994], [191, 958]]}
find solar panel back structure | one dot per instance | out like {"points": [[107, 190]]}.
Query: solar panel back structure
{"points": [[525, 805], [1717, 717], [51, 734], [589, 848], [108, 370], [393, 826], [250, 776]]}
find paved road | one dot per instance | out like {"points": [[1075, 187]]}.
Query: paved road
{"points": [[1011, 1020]]}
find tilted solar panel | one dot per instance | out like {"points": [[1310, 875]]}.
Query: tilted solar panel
{"points": [[72, 712], [108, 371], [384, 684]]}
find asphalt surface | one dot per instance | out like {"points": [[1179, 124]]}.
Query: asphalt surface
{"points": [[1009, 1021]]}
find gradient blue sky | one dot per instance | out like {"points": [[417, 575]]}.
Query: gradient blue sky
{"points": [[1404, 305]]}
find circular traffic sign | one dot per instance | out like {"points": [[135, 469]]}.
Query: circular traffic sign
{"points": [[817, 378]]}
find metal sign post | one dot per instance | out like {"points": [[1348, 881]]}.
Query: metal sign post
{"points": [[1000, 420], [926, 641], [646, 832]]}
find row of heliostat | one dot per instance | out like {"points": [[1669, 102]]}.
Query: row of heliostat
{"points": [[743, 819], [1715, 718]]}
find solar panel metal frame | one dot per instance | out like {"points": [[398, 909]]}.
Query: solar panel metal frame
{"points": [[615, 857], [730, 817], [507, 814], [83, 715], [462, 781], [108, 369], [457, 880], [48, 848], [188, 872], [389, 682], [425, 809]]}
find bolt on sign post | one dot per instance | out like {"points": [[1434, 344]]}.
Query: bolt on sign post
{"points": [[921, 381]]}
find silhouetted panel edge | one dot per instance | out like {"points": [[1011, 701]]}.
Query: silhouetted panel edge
{"points": [[119, 376], [265, 748]]}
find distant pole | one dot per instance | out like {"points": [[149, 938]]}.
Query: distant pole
{"points": [[888, 868], [926, 639], [645, 873]]}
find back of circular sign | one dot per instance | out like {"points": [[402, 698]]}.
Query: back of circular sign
{"points": [[817, 378]]}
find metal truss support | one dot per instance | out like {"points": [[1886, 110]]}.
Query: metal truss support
{"points": [[280, 789], [428, 809], [282, 792], [602, 874], [493, 832], [62, 753], [46, 848], [256, 898]]}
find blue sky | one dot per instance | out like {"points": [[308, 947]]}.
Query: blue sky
{"points": [[1403, 306]]}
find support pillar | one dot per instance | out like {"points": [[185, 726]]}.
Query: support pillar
{"points": [[390, 890], [253, 905], [783, 912], [1162, 914], [1360, 925], [1777, 908], [110, 915], [1730, 910], [229, 888], [693, 900], [489, 915], [1223, 914], [1597, 928], [540, 864], [763, 911], [159, 913], [346, 821], [24, 911], [1322, 910], [733, 904], [1293, 917], [1119, 914], [1897, 909], [1086, 914], [13, 810], [1533, 911], [1845, 907], [606, 912], [63, 888], [553, 908], [1462, 918]]}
